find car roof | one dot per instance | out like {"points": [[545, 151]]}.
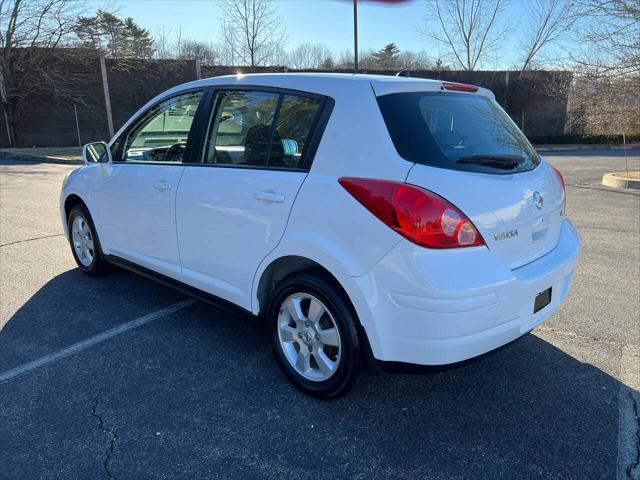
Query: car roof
{"points": [[323, 83], [331, 84], [313, 78]]}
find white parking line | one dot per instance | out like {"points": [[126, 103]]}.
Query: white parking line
{"points": [[94, 340], [32, 239], [628, 410]]}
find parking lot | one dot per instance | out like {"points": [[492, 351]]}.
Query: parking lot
{"points": [[186, 390]]}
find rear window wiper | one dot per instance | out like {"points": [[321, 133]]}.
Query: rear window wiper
{"points": [[507, 162]]}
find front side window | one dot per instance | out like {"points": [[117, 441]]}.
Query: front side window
{"points": [[457, 131], [163, 133], [260, 129]]}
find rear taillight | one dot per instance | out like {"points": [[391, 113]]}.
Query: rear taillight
{"points": [[417, 214], [564, 190], [459, 87]]}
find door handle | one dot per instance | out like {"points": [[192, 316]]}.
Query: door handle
{"points": [[270, 197], [162, 186]]}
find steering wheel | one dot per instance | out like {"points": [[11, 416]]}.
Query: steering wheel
{"points": [[176, 150]]}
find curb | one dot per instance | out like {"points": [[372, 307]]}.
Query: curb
{"points": [[613, 180], [38, 159], [584, 146]]}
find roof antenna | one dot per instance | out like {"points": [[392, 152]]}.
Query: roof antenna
{"points": [[405, 72]]}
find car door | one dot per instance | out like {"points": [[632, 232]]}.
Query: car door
{"points": [[137, 192], [232, 209]]}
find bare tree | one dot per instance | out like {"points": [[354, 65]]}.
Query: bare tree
{"points": [[605, 97], [170, 44], [344, 59], [366, 61], [415, 60], [309, 55], [196, 50], [228, 43], [257, 35], [31, 34], [604, 105], [547, 21], [162, 43], [609, 31], [278, 57], [470, 30]]}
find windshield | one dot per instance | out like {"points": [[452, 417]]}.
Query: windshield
{"points": [[457, 131]]}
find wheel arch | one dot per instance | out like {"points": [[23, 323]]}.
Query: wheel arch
{"points": [[71, 201], [281, 268], [287, 265]]}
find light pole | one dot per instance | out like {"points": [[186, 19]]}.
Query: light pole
{"points": [[355, 36]]}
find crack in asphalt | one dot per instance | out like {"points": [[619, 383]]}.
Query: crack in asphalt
{"points": [[31, 239], [112, 441], [602, 229], [589, 338], [36, 178], [628, 452], [633, 470], [588, 185]]}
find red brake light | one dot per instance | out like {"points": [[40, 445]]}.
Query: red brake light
{"points": [[460, 87], [417, 214], [564, 190]]}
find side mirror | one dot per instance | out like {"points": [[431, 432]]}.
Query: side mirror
{"points": [[290, 146], [97, 152]]}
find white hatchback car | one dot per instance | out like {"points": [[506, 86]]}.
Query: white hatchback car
{"points": [[368, 220]]}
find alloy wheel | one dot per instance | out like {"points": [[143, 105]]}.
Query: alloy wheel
{"points": [[309, 337], [82, 240]]}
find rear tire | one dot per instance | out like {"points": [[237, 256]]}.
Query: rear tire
{"points": [[314, 336], [84, 241]]}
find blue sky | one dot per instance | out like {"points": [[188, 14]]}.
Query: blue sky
{"points": [[325, 21]]}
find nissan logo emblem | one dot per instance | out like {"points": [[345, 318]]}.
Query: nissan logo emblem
{"points": [[538, 200]]}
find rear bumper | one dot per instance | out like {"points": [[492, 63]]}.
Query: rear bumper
{"points": [[436, 307]]}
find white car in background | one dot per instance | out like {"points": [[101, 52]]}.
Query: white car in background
{"points": [[362, 217]]}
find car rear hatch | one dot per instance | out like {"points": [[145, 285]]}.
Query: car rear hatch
{"points": [[467, 150]]}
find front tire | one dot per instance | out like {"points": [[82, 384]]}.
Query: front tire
{"points": [[84, 241], [314, 336]]}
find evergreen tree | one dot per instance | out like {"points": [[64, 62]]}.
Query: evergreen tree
{"points": [[328, 64], [113, 36], [387, 57], [111, 27], [137, 41]]}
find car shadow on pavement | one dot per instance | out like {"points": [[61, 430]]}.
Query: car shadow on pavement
{"points": [[198, 395]]}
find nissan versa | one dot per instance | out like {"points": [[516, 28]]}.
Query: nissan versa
{"points": [[366, 219]]}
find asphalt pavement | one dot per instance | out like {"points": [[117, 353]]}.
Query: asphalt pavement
{"points": [[119, 377]]}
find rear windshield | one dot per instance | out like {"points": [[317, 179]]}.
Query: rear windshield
{"points": [[458, 131]]}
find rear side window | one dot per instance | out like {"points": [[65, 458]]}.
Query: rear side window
{"points": [[295, 121], [457, 131], [240, 130], [260, 129]]}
